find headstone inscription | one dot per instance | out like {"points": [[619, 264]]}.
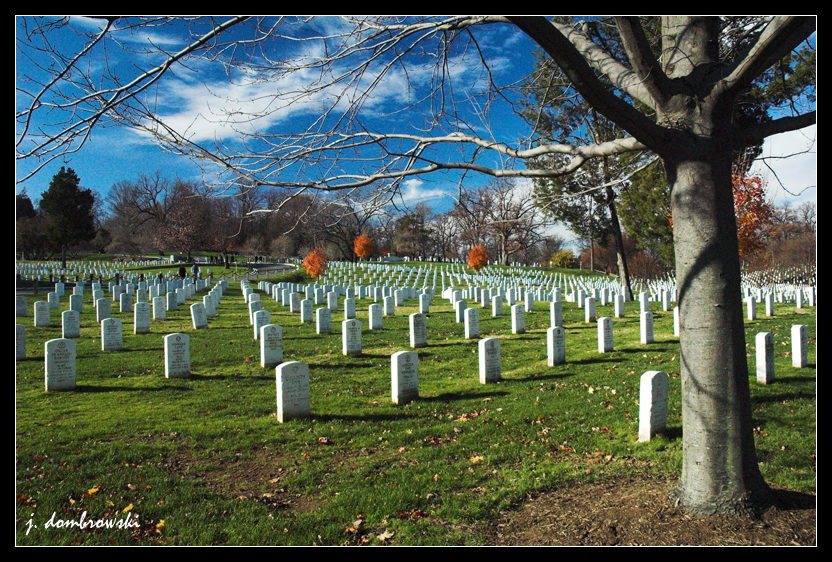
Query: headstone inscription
{"points": [[351, 337], [490, 360], [605, 337], [70, 324], [418, 330], [271, 345], [177, 356], [141, 318], [111, 335], [404, 367], [293, 400], [59, 364], [556, 345]]}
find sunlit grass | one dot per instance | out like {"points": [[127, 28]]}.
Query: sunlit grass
{"points": [[204, 460]]}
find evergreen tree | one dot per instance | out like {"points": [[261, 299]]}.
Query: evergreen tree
{"points": [[69, 210]]}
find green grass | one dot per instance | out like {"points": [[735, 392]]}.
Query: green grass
{"points": [[204, 460]]}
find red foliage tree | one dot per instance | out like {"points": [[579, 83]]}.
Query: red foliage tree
{"points": [[315, 263], [363, 246], [754, 212], [477, 258]]}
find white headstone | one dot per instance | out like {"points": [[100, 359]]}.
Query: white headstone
{"points": [[424, 303], [652, 405], [60, 364], [125, 303], [376, 318], [389, 306], [751, 305], [111, 335], [198, 317], [605, 338], [556, 313], [518, 319], [556, 345], [253, 307], [102, 310], [589, 309], [769, 304], [418, 330], [20, 305], [172, 303], [177, 356], [271, 345], [323, 321], [351, 337], [19, 342], [497, 305], [490, 360], [306, 315], [765, 357], [404, 375], [293, 399], [472, 323], [294, 302], [619, 306], [76, 302], [460, 307], [70, 324], [646, 327], [261, 318], [159, 308], [676, 321], [349, 308], [800, 356], [141, 318]]}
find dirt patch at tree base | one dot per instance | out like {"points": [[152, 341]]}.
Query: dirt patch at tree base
{"points": [[630, 511]]}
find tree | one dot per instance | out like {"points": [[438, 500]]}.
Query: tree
{"points": [[681, 106], [69, 210], [754, 213], [477, 258], [315, 263], [363, 246]]}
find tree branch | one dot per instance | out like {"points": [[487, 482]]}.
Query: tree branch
{"points": [[572, 60]]}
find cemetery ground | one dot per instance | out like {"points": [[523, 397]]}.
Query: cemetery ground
{"points": [[546, 456]]}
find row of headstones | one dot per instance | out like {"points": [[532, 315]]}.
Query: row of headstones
{"points": [[170, 302], [111, 328], [60, 361]]}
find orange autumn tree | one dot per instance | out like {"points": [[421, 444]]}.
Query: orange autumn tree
{"points": [[315, 263], [477, 258], [363, 247], [754, 212]]}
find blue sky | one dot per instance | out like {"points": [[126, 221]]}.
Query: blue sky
{"points": [[188, 99]]}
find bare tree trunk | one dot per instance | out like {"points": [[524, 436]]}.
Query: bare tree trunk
{"points": [[719, 471], [623, 269]]}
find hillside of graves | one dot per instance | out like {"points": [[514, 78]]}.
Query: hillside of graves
{"points": [[405, 404]]}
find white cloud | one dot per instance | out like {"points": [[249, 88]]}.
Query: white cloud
{"points": [[413, 192], [791, 166]]}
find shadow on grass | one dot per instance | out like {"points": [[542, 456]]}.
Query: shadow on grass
{"points": [[454, 396], [96, 389], [539, 377]]}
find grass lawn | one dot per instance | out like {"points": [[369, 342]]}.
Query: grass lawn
{"points": [[204, 460]]}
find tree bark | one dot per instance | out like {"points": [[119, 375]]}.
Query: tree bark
{"points": [[719, 468], [623, 269]]}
